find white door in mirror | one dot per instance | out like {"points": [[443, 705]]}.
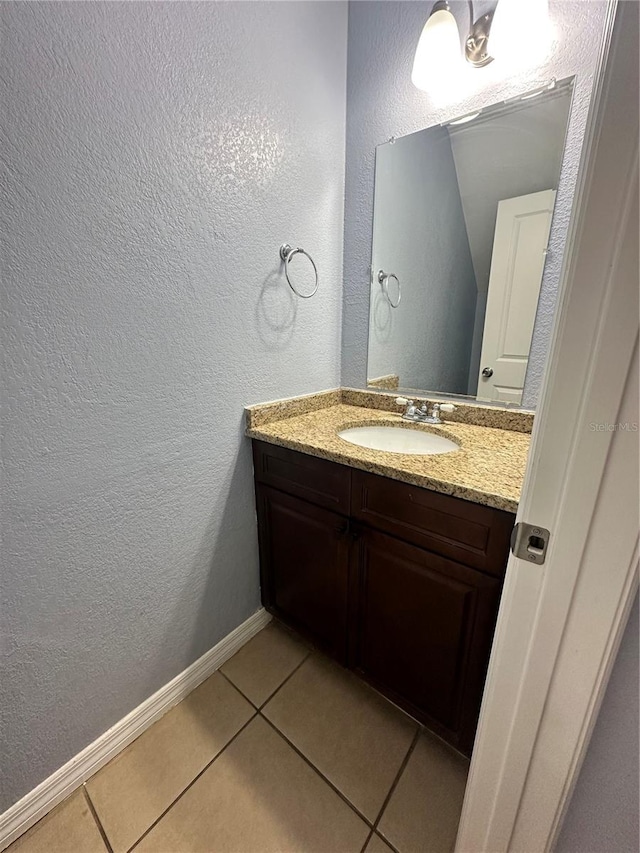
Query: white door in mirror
{"points": [[517, 264], [398, 440]]}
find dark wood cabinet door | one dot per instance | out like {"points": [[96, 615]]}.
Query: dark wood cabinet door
{"points": [[304, 559], [423, 632]]}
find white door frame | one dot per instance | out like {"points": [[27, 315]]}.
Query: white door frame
{"points": [[553, 649]]}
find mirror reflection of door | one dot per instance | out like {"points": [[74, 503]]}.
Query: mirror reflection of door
{"points": [[517, 263], [462, 217]]}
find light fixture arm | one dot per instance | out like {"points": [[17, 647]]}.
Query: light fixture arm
{"points": [[440, 6], [476, 49]]}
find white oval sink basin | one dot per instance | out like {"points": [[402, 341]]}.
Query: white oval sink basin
{"points": [[398, 440]]}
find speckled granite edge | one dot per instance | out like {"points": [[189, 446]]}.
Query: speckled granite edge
{"points": [[385, 383], [475, 415], [393, 473], [488, 468], [278, 410], [515, 420]]}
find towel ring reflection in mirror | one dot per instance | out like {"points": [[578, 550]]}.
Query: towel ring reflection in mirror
{"points": [[383, 278], [286, 253]]}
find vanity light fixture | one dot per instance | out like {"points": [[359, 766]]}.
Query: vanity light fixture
{"points": [[516, 31], [438, 50]]}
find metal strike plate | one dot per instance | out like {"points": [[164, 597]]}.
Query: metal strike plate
{"points": [[529, 542]]}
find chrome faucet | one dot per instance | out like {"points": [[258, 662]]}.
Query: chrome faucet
{"points": [[422, 415]]}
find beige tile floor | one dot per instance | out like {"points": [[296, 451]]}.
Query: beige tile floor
{"points": [[281, 750]]}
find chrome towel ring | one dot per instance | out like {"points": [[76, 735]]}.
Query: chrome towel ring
{"points": [[383, 278], [286, 253]]}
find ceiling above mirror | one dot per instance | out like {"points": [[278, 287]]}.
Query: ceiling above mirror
{"points": [[462, 215]]}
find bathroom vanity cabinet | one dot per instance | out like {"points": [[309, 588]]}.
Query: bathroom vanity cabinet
{"points": [[399, 583]]}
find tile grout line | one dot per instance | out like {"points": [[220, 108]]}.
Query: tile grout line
{"points": [[382, 838], [235, 687], [291, 674], [401, 770], [193, 781], [315, 770], [372, 825], [366, 841], [96, 817], [394, 785], [385, 841], [256, 713], [271, 695]]}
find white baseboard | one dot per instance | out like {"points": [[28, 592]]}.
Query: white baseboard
{"points": [[71, 775]]}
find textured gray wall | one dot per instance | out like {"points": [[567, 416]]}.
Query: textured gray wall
{"points": [[382, 102], [603, 814], [420, 235], [157, 155]]}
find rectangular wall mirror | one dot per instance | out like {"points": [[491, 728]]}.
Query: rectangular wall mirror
{"points": [[462, 217]]}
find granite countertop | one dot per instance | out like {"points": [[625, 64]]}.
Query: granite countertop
{"points": [[488, 469]]}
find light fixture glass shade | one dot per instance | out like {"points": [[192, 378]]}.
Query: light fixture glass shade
{"points": [[521, 33], [438, 53]]}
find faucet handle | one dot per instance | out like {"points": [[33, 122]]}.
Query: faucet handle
{"points": [[410, 409], [446, 407]]}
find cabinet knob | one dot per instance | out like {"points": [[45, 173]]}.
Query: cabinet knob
{"points": [[341, 529]]}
